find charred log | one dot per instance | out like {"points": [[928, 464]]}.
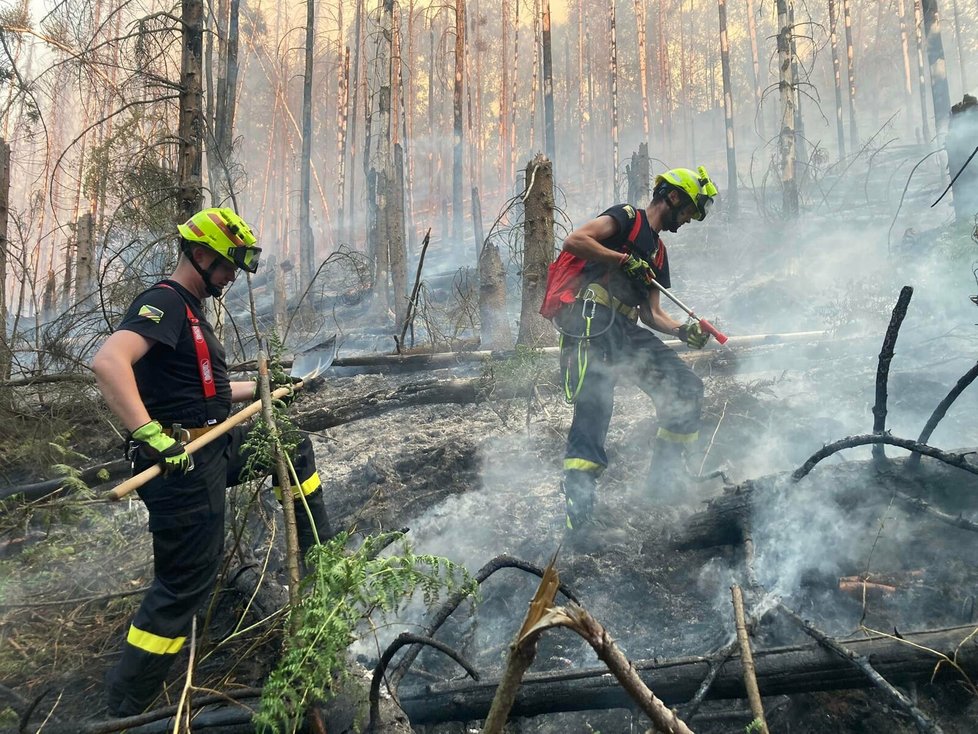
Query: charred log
{"points": [[726, 517], [783, 670]]}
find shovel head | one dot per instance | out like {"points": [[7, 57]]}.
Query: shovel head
{"points": [[312, 362]]}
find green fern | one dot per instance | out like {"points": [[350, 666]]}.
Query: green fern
{"points": [[339, 592], [752, 727]]}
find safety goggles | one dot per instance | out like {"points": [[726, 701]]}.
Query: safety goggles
{"points": [[703, 205], [245, 258]]}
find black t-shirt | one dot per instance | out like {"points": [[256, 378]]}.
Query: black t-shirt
{"points": [[168, 375], [647, 245]]}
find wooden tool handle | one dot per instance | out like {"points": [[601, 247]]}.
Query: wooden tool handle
{"points": [[124, 488]]}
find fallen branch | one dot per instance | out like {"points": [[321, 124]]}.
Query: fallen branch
{"points": [[407, 638], [747, 660], [100, 473], [922, 723], [577, 619], [958, 460], [522, 651], [451, 604], [716, 662]]}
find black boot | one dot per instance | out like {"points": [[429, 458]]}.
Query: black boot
{"points": [[668, 481], [578, 489]]}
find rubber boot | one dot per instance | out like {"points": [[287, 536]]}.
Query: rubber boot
{"points": [[668, 480], [578, 487]]}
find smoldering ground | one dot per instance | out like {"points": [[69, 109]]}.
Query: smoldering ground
{"points": [[776, 409]]}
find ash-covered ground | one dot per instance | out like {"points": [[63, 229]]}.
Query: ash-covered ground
{"points": [[475, 481]]}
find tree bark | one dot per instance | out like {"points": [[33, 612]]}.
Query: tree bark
{"points": [[538, 252], [613, 75], [837, 72], [851, 70], [458, 130], [783, 670], [938, 66], [307, 243], [493, 317], [190, 134], [728, 112], [639, 173], [549, 133], [905, 49], [756, 70], [643, 62], [786, 141], [962, 136], [5, 352], [921, 76], [397, 244], [84, 258]]}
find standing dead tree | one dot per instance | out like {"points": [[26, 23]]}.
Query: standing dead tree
{"points": [[786, 139], [190, 133], [538, 251]]}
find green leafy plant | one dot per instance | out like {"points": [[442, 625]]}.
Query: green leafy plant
{"points": [[340, 591], [752, 727]]}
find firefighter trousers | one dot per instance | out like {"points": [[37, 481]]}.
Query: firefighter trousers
{"points": [[591, 368], [186, 519]]}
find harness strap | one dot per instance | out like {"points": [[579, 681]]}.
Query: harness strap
{"points": [[204, 367], [599, 294]]}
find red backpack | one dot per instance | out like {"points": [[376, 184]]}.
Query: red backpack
{"points": [[564, 275]]}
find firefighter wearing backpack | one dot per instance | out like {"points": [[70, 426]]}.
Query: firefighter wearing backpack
{"points": [[597, 292]]}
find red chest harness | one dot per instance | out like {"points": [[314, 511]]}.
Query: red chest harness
{"points": [[204, 367]]}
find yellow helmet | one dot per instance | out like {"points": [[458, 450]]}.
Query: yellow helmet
{"points": [[226, 233], [698, 187]]}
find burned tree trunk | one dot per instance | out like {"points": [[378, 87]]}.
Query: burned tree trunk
{"points": [[5, 355], [921, 77], [725, 517], [190, 133], [756, 69], [783, 670], [549, 134], [938, 67], [639, 173], [307, 244], [397, 244], [458, 147], [85, 258], [643, 63], [379, 166], [851, 68], [728, 112], [962, 137], [613, 70], [786, 144], [538, 251], [496, 333], [905, 48], [837, 71]]}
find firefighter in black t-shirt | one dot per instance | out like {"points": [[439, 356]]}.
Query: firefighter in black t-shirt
{"points": [[601, 338], [163, 373]]}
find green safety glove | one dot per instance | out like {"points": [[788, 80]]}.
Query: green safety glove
{"points": [[637, 269], [693, 335], [157, 446]]}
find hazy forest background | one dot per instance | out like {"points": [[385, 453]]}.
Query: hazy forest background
{"points": [[312, 118]]}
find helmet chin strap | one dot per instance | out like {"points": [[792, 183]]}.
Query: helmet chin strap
{"points": [[205, 275]]}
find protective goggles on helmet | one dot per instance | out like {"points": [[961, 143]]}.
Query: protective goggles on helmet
{"points": [[245, 258]]}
